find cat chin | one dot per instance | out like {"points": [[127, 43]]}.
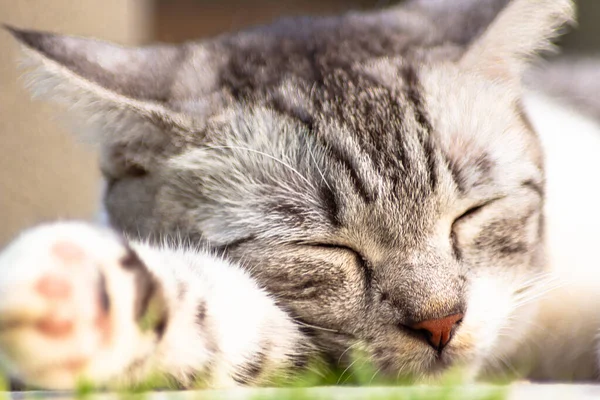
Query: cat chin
{"points": [[410, 360], [417, 363]]}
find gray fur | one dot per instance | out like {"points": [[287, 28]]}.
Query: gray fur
{"points": [[336, 158]]}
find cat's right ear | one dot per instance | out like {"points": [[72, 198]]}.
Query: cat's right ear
{"points": [[521, 30], [106, 84]]}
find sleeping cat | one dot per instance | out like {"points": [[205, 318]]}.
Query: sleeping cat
{"points": [[373, 181]]}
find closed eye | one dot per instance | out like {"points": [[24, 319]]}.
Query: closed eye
{"points": [[476, 209], [470, 212], [463, 217], [360, 259]]}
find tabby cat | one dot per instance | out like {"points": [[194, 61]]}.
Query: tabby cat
{"points": [[373, 182]]}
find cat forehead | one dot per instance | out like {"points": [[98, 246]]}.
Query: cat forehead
{"points": [[482, 128], [383, 173], [253, 62]]}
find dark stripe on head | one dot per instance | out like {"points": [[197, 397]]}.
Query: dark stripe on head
{"points": [[413, 94], [330, 204], [429, 151], [480, 169], [351, 166], [459, 181], [289, 209]]}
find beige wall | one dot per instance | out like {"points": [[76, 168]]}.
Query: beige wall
{"points": [[44, 173]]}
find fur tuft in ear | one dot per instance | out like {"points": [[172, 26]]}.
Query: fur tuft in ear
{"points": [[521, 30], [111, 87]]}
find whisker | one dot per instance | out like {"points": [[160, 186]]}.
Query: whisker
{"points": [[316, 327], [537, 280], [346, 370], [317, 167], [268, 156], [374, 375], [347, 349], [536, 296]]}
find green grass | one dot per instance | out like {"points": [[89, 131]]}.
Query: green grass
{"points": [[360, 381]]}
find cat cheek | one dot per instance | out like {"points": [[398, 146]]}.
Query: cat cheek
{"points": [[489, 307]]}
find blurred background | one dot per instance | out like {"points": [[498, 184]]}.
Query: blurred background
{"points": [[44, 173]]}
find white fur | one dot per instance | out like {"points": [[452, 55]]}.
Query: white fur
{"points": [[40, 358], [569, 320], [241, 317]]}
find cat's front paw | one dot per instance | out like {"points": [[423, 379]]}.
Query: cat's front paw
{"points": [[67, 299]]}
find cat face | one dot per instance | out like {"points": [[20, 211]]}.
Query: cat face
{"points": [[373, 178], [388, 208]]}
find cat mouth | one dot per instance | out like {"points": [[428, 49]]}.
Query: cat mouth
{"points": [[432, 364], [441, 362]]}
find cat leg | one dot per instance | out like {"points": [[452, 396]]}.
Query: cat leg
{"points": [[79, 303]]}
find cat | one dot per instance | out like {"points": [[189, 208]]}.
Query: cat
{"points": [[373, 181]]}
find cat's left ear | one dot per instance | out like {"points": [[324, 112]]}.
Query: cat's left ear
{"points": [[518, 33], [106, 82]]}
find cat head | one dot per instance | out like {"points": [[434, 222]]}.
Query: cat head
{"points": [[375, 171]]}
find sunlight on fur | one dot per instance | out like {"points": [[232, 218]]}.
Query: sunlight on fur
{"points": [[373, 198]]}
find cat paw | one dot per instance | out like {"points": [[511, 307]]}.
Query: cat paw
{"points": [[66, 306]]}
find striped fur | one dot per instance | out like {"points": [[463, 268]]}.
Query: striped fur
{"points": [[368, 172]]}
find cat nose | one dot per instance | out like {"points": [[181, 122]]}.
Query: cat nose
{"points": [[438, 332]]}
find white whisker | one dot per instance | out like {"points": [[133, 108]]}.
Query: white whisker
{"points": [[346, 370], [374, 375], [316, 327], [268, 156], [347, 349], [317, 167]]}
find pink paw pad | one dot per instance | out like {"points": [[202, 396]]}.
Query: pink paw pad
{"points": [[53, 287], [68, 252], [55, 328]]}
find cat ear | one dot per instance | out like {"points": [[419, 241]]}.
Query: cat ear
{"points": [[460, 21], [519, 32], [104, 82]]}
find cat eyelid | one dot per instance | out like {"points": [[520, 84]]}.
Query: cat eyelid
{"points": [[364, 263], [529, 185], [465, 215], [333, 246], [471, 211]]}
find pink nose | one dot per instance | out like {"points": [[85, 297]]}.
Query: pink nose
{"points": [[438, 332]]}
